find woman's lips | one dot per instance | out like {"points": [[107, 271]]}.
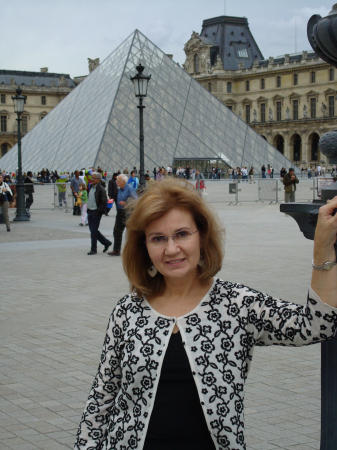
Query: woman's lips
{"points": [[175, 261]]}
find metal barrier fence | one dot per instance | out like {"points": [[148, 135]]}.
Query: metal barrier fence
{"points": [[234, 192]]}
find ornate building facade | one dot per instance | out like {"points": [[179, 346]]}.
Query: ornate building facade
{"points": [[289, 100], [44, 91]]}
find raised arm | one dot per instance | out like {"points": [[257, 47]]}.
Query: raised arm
{"points": [[324, 282]]}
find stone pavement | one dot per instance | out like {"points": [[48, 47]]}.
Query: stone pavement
{"points": [[54, 308]]}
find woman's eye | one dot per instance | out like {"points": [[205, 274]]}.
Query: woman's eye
{"points": [[157, 239], [182, 234]]}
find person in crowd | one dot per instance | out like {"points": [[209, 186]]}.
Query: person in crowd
{"points": [[290, 180], [83, 196], [113, 188], [29, 190], [124, 193], [133, 180], [155, 173], [200, 182], [271, 172], [244, 172], [96, 207], [178, 348], [251, 175], [149, 181], [160, 175], [309, 172], [126, 171], [75, 188], [6, 195], [187, 172], [282, 173], [60, 182], [263, 171]]}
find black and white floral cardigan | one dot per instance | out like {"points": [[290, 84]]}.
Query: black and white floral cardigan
{"points": [[219, 336]]}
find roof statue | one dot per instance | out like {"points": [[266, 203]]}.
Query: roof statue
{"points": [[97, 124]]}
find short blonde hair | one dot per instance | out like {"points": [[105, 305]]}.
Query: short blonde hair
{"points": [[155, 203]]}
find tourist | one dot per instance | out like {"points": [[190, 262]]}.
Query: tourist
{"points": [[290, 180], [178, 348], [60, 182], [160, 175], [133, 180], [83, 196], [5, 197], [124, 193], [200, 182], [113, 189], [75, 188], [96, 207], [251, 175]]}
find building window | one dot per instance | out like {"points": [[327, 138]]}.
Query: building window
{"points": [[3, 124], [297, 147], [196, 63], [263, 83], [278, 111], [230, 108], [247, 113], [247, 85], [3, 98], [295, 79], [313, 108], [280, 144], [331, 106], [229, 87], [313, 77], [24, 124], [4, 149], [314, 147], [263, 112], [43, 100], [278, 81], [331, 74], [295, 109], [210, 87]]}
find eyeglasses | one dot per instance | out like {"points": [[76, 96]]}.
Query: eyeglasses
{"points": [[179, 236]]}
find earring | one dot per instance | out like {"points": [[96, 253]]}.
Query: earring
{"points": [[152, 271], [201, 262]]}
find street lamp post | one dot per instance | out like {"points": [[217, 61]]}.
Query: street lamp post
{"points": [[140, 83], [21, 213]]}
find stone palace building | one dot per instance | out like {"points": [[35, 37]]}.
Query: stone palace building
{"points": [[289, 99]]}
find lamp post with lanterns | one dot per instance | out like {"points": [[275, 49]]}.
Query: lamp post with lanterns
{"points": [[21, 213], [140, 83]]}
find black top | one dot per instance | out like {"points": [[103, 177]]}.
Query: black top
{"points": [[177, 420]]}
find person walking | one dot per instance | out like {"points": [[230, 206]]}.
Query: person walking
{"points": [[5, 197], [83, 196], [133, 180], [62, 189], [96, 207], [125, 192], [75, 188], [290, 180], [29, 191], [113, 188]]}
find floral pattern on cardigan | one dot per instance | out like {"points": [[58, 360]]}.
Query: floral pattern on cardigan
{"points": [[219, 336]]}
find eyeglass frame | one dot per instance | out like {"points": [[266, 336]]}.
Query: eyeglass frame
{"points": [[172, 236]]}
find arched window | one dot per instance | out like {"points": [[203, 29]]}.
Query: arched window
{"points": [[297, 146], [295, 79], [279, 143], [43, 100], [263, 83], [278, 81], [4, 149], [196, 63], [229, 86], [313, 142]]}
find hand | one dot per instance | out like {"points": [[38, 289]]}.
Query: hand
{"points": [[293, 177], [326, 233], [122, 203], [4, 190]]}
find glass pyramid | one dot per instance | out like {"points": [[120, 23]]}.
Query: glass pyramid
{"points": [[97, 124]]}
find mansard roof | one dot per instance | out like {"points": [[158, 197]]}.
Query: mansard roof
{"points": [[232, 40], [38, 78]]}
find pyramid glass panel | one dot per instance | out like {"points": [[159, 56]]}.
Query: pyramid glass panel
{"points": [[97, 124]]}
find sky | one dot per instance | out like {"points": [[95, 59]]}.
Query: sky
{"points": [[62, 34]]}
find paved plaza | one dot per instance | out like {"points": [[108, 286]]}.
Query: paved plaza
{"points": [[55, 304]]}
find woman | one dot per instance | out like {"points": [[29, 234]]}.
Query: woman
{"points": [[178, 350], [133, 180], [200, 183], [5, 197]]}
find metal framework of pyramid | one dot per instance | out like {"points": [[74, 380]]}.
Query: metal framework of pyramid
{"points": [[97, 124]]}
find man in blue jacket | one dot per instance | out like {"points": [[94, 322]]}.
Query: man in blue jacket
{"points": [[125, 191]]}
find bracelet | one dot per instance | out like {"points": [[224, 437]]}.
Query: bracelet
{"points": [[326, 266]]}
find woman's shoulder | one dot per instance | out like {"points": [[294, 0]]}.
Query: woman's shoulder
{"points": [[130, 303], [225, 287]]}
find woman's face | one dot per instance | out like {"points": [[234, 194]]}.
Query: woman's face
{"points": [[174, 260]]}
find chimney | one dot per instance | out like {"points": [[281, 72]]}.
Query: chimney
{"points": [[44, 69], [170, 56]]}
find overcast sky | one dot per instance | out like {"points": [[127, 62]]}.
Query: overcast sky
{"points": [[62, 34]]}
